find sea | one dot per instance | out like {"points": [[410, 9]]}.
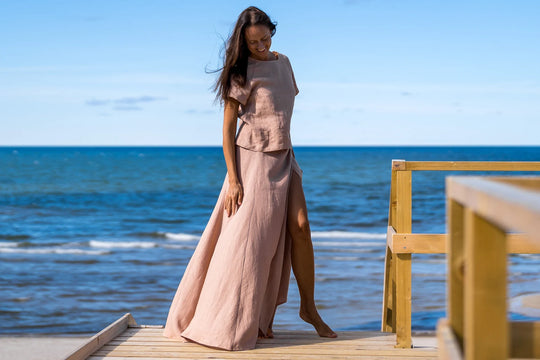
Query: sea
{"points": [[88, 234]]}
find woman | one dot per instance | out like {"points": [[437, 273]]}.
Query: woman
{"points": [[240, 271]]}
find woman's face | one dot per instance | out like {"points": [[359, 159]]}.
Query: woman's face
{"points": [[259, 40]]}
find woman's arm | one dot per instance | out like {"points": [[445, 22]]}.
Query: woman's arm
{"points": [[235, 194]]}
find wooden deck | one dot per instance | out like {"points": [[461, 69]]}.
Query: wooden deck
{"points": [[141, 342], [149, 343]]}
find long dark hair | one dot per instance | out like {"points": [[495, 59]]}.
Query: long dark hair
{"points": [[235, 61]]}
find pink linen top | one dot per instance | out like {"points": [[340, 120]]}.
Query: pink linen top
{"points": [[266, 104]]}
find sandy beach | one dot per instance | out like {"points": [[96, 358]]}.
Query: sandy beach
{"points": [[38, 347]]}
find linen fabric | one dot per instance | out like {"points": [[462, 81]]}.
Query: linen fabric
{"points": [[266, 104], [240, 270]]}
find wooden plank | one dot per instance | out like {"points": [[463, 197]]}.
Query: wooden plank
{"points": [[388, 322], [246, 355], [509, 207], [388, 319], [311, 345], [485, 290], [403, 219], [403, 300], [448, 345], [259, 352], [299, 340], [281, 340], [525, 182], [436, 244], [525, 339], [418, 243], [277, 333], [403, 224], [390, 234], [521, 244], [455, 265], [152, 327], [251, 357], [398, 165], [472, 166], [388, 316], [149, 343], [308, 348], [101, 338]]}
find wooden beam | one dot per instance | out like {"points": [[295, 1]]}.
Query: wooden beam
{"points": [[102, 338], [448, 345], [398, 165], [436, 243], [403, 223], [471, 166], [393, 199], [525, 339], [455, 264], [509, 207], [418, 243], [521, 244], [525, 182], [485, 290], [390, 233], [388, 319], [388, 316]]}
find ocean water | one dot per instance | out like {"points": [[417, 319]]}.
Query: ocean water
{"points": [[88, 234]]}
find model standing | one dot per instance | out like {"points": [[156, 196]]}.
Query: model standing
{"points": [[240, 271]]}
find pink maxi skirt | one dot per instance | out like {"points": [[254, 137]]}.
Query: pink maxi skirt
{"points": [[240, 270]]}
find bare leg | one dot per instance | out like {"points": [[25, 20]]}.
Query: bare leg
{"points": [[303, 263]]}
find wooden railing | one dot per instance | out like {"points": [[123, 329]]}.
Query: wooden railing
{"points": [[481, 213], [402, 243]]}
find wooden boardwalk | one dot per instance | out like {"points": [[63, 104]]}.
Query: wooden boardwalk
{"points": [[149, 343], [139, 342]]}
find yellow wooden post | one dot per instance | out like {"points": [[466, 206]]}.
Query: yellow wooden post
{"points": [[455, 263], [485, 323], [388, 323], [388, 320], [403, 224]]}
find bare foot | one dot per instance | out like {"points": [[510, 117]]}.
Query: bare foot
{"points": [[269, 334], [320, 326]]}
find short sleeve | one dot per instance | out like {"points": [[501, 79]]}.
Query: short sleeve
{"points": [[292, 74], [240, 93], [294, 82]]}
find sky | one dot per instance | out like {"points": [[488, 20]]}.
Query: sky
{"points": [[370, 72]]}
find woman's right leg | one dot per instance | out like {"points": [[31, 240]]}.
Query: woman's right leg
{"points": [[303, 263]]}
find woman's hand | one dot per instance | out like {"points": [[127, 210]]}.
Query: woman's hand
{"points": [[235, 193], [234, 197]]}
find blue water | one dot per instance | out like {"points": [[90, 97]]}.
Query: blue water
{"points": [[87, 234]]}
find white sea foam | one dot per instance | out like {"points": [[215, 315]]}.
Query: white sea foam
{"points": [[52, 251], [314, 235], [181, 236], [184, 247], [122, 244], [8, 244], [529, 256], [346, 243], [346, 235], [340, 258]]}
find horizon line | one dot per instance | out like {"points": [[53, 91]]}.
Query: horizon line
{"points": [[296, 146]]}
